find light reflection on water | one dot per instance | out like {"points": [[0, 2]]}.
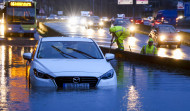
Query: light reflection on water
{"points": [[14, 93], [2, 30], [172, 53], [137, 87]]}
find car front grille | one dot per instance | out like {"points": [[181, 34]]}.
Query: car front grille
{"points": [[91, 80]]}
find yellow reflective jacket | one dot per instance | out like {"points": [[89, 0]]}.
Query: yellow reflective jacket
{"points": [[147, 50], [120, 32]]}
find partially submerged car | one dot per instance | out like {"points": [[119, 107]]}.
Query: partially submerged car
{"points": [[69, 62]]}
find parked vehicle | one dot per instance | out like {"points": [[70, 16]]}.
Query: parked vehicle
{"points": [[69, 62], [165, 35]]}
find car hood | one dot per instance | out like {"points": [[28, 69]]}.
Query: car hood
{"points": [[71, 67], [169, 34]]}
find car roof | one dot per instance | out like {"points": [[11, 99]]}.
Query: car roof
{"points": [[80, 39]]}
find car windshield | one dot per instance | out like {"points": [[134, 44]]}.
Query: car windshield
{"points": [[167, 29], [69, 50], [20, 15], [95, 18], [120, 22]]}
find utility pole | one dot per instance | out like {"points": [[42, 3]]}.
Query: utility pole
{"points": [[93, 6], [134, 6], [101, 8]]}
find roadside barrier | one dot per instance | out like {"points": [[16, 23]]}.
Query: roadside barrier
{"points": [[164, 61]]}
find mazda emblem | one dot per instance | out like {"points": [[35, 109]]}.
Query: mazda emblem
{"points": [[76, 79]]}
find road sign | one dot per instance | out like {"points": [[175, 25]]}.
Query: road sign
{"points": [[60, 12], [180, 5], [187, 9], [125, 2], [142, 2], [42, 11]]}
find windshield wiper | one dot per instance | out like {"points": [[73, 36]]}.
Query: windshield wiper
{"points": [[62, 53], [83, 53]]}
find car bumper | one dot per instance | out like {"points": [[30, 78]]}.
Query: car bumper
{"points": [[38, 82], [169, 42]]}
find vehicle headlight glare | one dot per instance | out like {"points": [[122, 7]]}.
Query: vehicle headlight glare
{"points": [[90, 23], [101, 23], [132, 28], [31, 29], [9, 28], [162, 38], [42, 75], [178, 38], [108, 74]]}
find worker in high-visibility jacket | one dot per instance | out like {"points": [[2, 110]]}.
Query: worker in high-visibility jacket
{"points": [[149, 49], [119, 33]]}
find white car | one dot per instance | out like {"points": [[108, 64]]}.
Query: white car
{"points": [[69, 62]]}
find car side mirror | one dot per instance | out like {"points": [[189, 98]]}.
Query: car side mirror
{"points": [[27, 56], [109, 56]]}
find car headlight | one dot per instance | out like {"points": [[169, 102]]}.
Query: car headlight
{"points": [[42, 75], [132, 28], [31, 29], [9, 28], [90, 23], [108, 74], [101, 23], [178, 38], [162, 38]]}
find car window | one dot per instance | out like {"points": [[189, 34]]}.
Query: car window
{"points": [[69, 50], [167, 29], [120, 22]]}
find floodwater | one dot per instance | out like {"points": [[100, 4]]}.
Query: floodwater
{"points": [[140, 88]]}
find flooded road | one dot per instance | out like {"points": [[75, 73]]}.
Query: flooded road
{"points": [[103, 38], [140, 88]]}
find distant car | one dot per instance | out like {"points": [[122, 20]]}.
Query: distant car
{"points": [[125, 23], [137, 20], [120, 22], [73, 20], [52, 17], [104, 19], [165, 35], [62, 17], [41, 17], [69, 62], [147, 22], [94, 22]]}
